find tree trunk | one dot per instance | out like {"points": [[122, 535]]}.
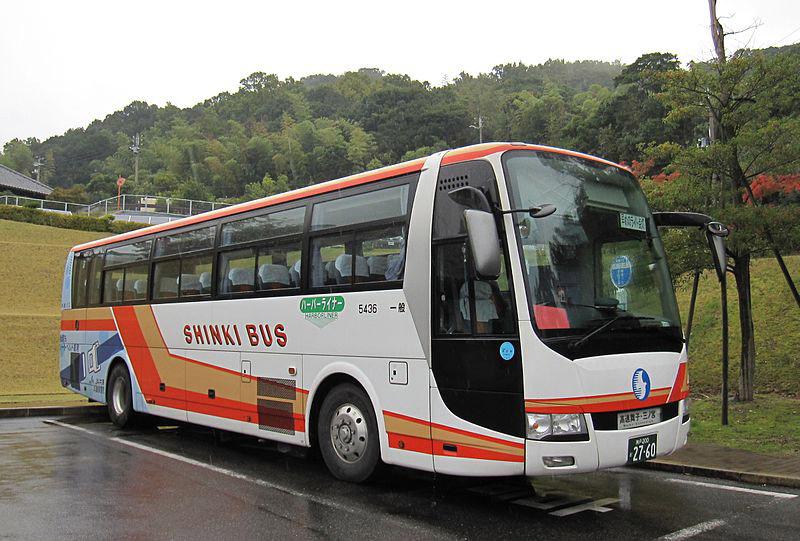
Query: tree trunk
{"points": [[747, 363]]}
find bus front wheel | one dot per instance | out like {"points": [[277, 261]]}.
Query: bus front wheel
{"points": [[120, 400], [347, 432]]}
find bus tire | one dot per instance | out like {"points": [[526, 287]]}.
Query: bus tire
{"points": [[347, 432], [120, 397]]}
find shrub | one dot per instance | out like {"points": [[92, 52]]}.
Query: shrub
{"points": [[66, 221]]}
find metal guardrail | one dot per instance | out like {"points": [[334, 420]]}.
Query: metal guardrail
{"points": [[140, 204], [44, 204]]}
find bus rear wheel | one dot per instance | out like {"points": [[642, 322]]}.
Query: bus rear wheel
{"points": [[347, 432], [120, 399]]}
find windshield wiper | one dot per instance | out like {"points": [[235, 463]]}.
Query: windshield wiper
{"points": [[586, 337]]}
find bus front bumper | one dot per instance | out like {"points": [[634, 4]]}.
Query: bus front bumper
{"points": [[605, 448]]}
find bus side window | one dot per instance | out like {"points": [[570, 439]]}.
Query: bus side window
{"points": [[80, 276], [493, 314], [465, 305], [332, 261], [451, 278], [237, 271], [94, 284], [383, 251], [114, 281], [165, 279]]}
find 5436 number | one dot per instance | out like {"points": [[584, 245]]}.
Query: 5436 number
{"points": [[369, 308]]}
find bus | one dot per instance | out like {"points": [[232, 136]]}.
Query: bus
{"points": [[501, 309]]}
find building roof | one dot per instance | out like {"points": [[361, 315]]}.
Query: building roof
{"points": [[17, 182], [452, 156]]}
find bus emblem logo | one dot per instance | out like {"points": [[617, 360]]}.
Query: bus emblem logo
{"points": [[641, 384], [507, 351], [321, 310]]}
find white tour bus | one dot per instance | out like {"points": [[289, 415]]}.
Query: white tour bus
{"points": [[500, 309]]}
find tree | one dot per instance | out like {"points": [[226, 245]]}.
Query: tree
{"points": [[265, 188], [749, 136], [74, 194], [17, 156]]}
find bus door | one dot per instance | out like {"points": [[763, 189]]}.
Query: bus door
{"points": [[273, 382], [475, 350]]}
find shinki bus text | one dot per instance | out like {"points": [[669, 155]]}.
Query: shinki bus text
{"points": [[500, 309]]}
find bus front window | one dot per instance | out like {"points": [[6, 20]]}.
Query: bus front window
{"points": [[598, 258]]}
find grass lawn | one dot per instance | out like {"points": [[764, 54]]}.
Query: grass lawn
{"points": [[769, 424], [777, 326], [31, 271]]}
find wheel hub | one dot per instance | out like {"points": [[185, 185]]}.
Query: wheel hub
{"points": [[118, 396], [348, 429]]}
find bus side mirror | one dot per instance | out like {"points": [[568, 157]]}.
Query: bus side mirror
{"points": [[715, 235], [482, 234]]}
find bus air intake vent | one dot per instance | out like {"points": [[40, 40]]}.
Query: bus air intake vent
{"points": [[451, 183], [277, 388], [275, 416]]}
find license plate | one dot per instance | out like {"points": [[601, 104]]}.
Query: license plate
{"points": [[632, 221], [634, 419], [642, 448]]}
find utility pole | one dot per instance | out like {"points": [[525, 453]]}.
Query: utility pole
{"points": [[136, 147], [38, 162], [479, 127]]}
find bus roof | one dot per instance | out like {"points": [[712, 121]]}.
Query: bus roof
{"points": [[452, 156]]}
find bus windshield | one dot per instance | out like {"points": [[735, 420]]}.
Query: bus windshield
{"points": [[598, 258]]}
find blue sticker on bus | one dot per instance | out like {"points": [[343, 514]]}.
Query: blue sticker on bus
{"points": [[621, 271], [507, 351], [640, 383]]}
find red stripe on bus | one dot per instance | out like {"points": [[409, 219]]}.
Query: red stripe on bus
{"points": [[677, 389], [417, 444], [406, 442], [142, 362], [468, 451], [586, 398], [454, 430], [455, 156], [616, 405], [88, 325]]}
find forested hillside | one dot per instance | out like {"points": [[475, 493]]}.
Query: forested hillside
{"points": [[275, 134], [297, 132]]}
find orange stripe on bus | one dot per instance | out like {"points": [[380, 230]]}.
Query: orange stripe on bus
{"points": [[517, 445], [591, 405], [426, 446]]}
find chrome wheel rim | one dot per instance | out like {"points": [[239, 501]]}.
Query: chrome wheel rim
{"points": [[349, 433], [118, 396]]}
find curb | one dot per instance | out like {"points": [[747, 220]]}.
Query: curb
{"points": [[38, 411], [732, 475]]}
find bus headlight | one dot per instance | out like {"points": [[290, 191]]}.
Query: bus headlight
{"points": [[539, 425], [542, 425]]}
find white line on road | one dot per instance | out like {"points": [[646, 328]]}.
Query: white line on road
{"points": [[735, 489], [236, 475], [691, 531], [598, 506]]}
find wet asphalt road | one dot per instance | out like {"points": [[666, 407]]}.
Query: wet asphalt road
{"points": [[90, 480]]}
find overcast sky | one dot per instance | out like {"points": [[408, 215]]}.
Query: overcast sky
{"points": [[63, 64]]}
